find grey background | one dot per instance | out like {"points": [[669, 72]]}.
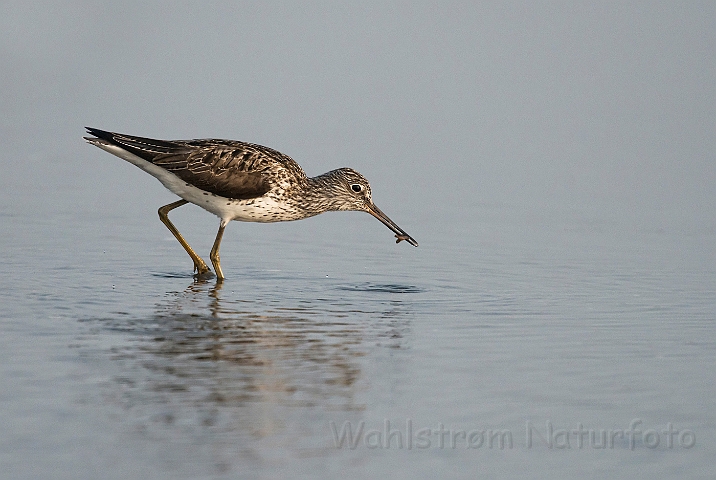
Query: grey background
{"points": [[608, 106]]}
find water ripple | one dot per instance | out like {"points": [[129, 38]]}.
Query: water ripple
{"points": [[380, 287]]}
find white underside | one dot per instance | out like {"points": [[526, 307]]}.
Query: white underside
{"points": [[261, 209]]}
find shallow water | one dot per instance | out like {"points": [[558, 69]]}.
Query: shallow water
{"points": [[545, 344]]}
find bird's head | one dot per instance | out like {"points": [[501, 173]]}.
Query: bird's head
{"points": [[349, 190]]}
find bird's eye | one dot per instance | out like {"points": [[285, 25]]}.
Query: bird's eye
{"points": [[357, 187]]}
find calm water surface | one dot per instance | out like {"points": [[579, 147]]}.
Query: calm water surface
{"points": [[331, 351]]}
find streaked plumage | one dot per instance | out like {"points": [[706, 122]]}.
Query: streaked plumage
{"points": [[240, 181]]}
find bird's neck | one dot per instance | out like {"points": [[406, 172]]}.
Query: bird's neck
{"points": [[319, 194]]}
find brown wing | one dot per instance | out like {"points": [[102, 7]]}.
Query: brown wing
{"points": [[226, 168]]}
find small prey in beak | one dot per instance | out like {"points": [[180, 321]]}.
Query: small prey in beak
{"points": [[400, 234]]}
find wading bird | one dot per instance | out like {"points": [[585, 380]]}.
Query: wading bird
{"points": [[240, 181]]}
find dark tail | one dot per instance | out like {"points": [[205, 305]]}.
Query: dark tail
{"points": [[146, 148], [109, 136]]}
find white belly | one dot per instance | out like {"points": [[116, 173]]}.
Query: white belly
{"points": [[261, 209]]}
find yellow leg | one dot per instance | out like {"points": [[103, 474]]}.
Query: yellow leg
{"points": [[214, 255], [199, 265]]}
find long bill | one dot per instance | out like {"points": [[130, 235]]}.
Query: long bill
{"points": [[399, 232]]}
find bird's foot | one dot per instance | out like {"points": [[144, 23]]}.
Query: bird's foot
{"points": [[202, 271]]}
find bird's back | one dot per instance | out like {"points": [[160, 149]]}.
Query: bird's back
{"points": [[227, 168]]}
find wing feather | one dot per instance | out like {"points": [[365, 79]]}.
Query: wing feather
{"points": [[226, 168]]}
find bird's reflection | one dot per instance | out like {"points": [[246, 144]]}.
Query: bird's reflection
{"points": [[210, 357]]}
